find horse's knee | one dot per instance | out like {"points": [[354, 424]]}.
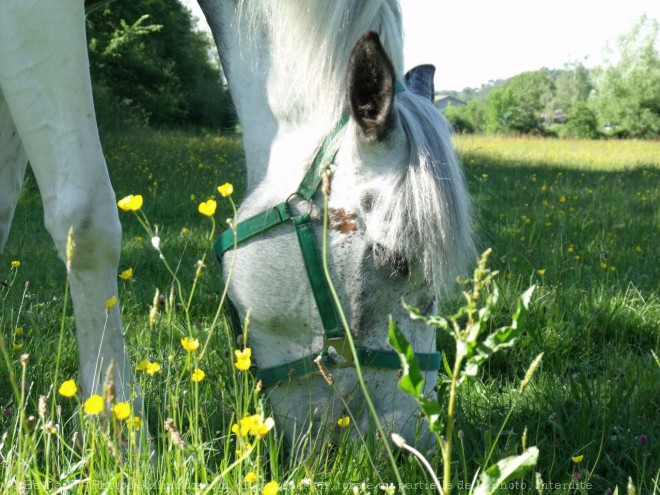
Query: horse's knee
{"points": [[93, 219]]}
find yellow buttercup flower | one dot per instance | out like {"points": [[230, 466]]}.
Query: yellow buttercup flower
{"points": [[251, 477], [134, 423], [15, 264], [130, 202], [142, 365], [344, 421], [254, 425], [68, 388], [243, 361], [260, 428], [152, 369], [271, 488], [93, 405], [19, 331], [121, 410], [577, 459], [17, 346], [126, 274], [197, 375], [248, 450], [207, 208], [541, 271], [226, 190], [111, 302], [189, 344]]}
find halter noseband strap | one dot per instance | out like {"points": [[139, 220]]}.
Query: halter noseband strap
{"points": [[335, 352]]}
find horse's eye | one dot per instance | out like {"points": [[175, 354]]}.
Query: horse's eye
{"points": [[367, 201], [388, 259]]}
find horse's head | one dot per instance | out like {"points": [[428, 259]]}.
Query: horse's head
{"points": [[399, 228]]}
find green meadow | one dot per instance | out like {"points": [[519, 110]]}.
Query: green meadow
{"points": [[580, 220]]}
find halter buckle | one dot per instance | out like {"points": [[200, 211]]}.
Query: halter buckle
{"points": [[339, 350], [302, 199]]}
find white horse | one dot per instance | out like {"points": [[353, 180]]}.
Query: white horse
{"points": [[47, 117], [400, 212]]}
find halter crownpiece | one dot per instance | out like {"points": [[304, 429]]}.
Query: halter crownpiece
{"points": [[336, 352]]}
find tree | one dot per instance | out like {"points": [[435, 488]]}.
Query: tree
{"points": [[516, 107], [533, 91], [572, 86], [465, 119], [582, 122], [500, 109], [628, 92], [146, 56]]}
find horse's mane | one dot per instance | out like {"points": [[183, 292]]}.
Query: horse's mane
{"points": [[424, 215]]}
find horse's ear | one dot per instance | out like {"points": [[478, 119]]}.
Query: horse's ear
{"points": [[419, 80], [371, 86]]}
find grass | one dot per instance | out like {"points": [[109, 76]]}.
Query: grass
{"points": [[580, 219]]}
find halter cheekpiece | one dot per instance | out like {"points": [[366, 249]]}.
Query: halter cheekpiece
{"points": [[335, 352]]}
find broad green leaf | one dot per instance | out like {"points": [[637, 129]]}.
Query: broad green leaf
{"points": [[491, 480], [415, 313], [432, 411], [446, 366], [501, 338], [433, 320], [412, 380], [526, 297]]}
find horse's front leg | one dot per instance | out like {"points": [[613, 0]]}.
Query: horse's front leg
{"points": [[44, 76]]}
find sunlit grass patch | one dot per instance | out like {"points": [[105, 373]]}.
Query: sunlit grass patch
{"points": [[585, 155]]}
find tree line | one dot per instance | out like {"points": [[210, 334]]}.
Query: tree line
{"points": [[619, 99], [150, 66]]}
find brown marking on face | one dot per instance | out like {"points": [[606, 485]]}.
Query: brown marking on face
{"points": [[341, 221]]}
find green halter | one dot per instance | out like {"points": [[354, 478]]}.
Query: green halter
{"points": [[334, 334]]}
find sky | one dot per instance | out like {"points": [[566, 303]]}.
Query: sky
{"points": [[472, 42]]}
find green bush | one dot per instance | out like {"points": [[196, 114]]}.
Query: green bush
{"points": [[582, 122], [460, 118], [146, 59]]}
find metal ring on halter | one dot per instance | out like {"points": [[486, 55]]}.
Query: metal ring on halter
{"points": [[309, 202], [339, 351]]}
